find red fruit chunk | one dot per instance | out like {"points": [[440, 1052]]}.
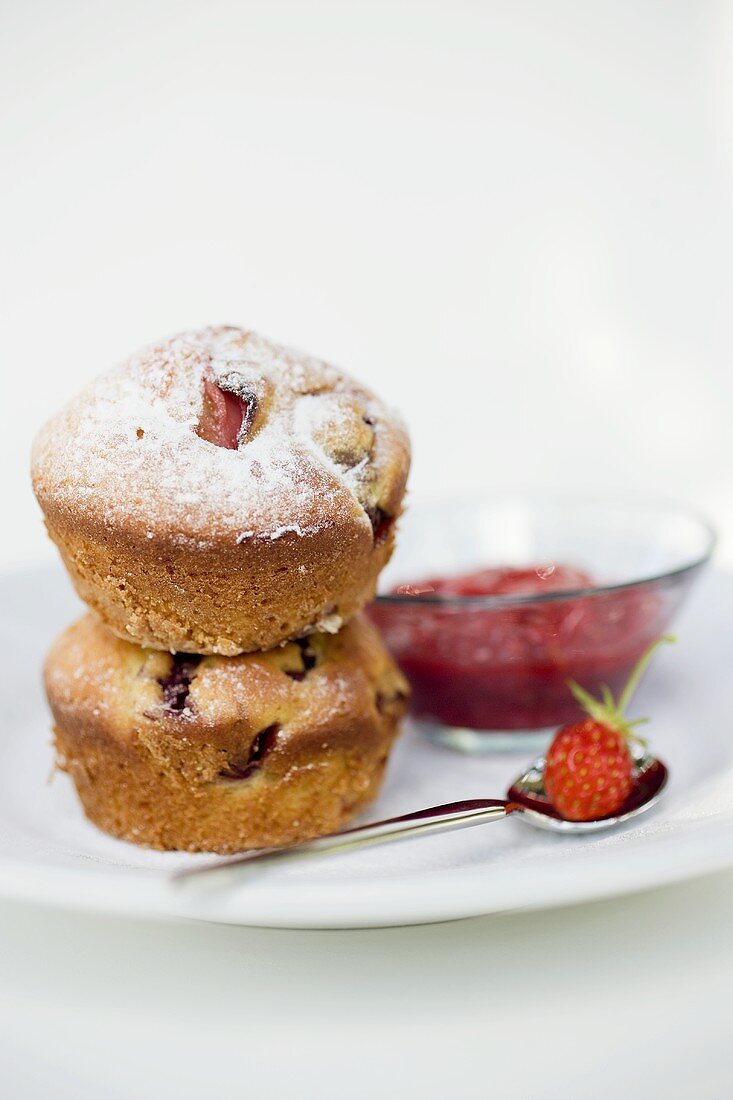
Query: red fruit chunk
{"points": [[381, 522], [177, 684], [263, 743], [309, 658], [222, 417], [588, 773]]}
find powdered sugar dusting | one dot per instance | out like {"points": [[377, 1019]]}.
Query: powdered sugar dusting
{"points": [[286, 529], [127, 449]]}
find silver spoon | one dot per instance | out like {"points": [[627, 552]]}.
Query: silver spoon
{"points": [[526, 798]]}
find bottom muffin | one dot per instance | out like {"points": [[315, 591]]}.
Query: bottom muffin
{"points": [[222, 754]]}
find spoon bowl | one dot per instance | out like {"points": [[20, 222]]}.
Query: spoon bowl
{"points": [[526, 798], [528, 792]]}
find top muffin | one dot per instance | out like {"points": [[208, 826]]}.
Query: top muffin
{"points": [[218, 493]]}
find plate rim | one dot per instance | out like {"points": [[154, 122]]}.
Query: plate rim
{"points": [[152, 894], [695, 848]]}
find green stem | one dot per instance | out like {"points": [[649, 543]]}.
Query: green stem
{"points": [[638, 672]]}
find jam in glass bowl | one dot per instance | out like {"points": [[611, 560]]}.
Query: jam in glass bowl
{"points": [[491, 605]]}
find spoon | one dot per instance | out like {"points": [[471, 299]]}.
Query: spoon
{"points": [[526, 798]]}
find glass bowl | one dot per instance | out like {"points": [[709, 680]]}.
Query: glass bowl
{"points": [[601, 579]]}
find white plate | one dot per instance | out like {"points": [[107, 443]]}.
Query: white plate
{"points": [[49, 853]]}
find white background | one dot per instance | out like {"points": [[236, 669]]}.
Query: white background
{"points": [[514, 221]]}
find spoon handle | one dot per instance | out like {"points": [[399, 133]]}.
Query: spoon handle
{"points": [[436, 819]]}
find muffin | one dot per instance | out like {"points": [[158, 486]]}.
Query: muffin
{"points": [[223, 754], [220, 494]]}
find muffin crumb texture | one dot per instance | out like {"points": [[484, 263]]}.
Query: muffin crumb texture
{"points": [[223, 755], [218, 493]]}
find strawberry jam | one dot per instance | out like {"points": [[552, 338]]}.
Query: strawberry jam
{"points": [[504, 664]]}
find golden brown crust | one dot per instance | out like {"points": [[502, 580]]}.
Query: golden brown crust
{"points": [[222, 600], [180, 544], [220, 754]]}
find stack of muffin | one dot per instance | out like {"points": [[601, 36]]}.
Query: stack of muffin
{"points": [[224, 506]]}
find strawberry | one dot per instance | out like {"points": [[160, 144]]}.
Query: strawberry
{"points": [[589, 771]]}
